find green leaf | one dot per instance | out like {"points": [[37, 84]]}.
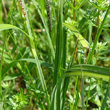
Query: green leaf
{"points": [[21, 53], [9, 26], [77, 34], [97, 36], [11, 77], [90, 71], [41, 14], [87, 71], [1, 106], [105, 98], [5, 70], [43, 63], [13, 63]]}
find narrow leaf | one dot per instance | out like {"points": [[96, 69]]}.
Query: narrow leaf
{"points": [[77, 34]]}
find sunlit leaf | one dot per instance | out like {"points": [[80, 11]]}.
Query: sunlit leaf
{"points": [[77, 34]]}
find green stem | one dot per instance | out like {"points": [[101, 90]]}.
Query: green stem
{"points": [[1, 67], [82, 88], [2, 50], [88, 94], [46, 28], [74, 11], [59, 44], [36, 58], [105, 98], [97, 36]]}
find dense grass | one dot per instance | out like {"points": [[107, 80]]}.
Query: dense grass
{"points": [[54, 55]]}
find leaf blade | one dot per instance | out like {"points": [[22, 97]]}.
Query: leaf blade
{"points": [[77, 34]]}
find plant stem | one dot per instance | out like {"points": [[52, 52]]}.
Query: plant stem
{"points": [[48, 13], [1, 68], [1, 55], [97, 24], [46, 28], [82, 88], [74, 11], [59, 44], [97, 36], [36, 58]]}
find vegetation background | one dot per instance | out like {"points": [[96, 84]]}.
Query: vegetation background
{"points": [[54, 54]]}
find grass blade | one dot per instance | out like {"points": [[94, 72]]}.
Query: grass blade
{"points": [[88, 71], [46, 28], [105, 98], [97, 36], [11, 77], [82, 88], [9, 26], [77, 34], [91, 71], [59, 43], [36, 57]]}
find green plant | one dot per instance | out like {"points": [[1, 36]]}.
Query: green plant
{"points": [[18, 101], [53, 56]]}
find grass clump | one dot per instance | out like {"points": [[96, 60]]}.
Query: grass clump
{"points": [[54, 55]]}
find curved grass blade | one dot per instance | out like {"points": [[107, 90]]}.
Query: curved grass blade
{"points": [[91, 71], [77, 34], [88, 71], [9, 26], [43, 63], [13, 63]]}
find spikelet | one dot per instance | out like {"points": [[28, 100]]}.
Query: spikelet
{"points": [[24, 13], [48, 14]]}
